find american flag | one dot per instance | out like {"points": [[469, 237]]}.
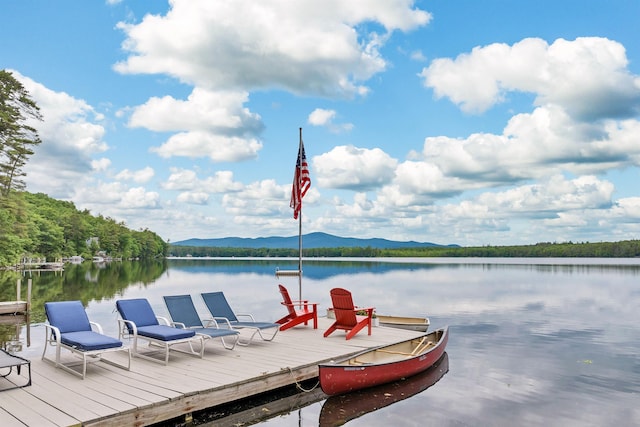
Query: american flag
{"points": [[301, 182]]}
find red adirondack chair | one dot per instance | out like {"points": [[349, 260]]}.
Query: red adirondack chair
{"points": [[346, 317], [299, 311]]}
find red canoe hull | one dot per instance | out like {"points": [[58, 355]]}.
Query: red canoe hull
{"points": [[341, 377]]}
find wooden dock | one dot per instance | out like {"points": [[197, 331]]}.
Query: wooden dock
{"points": [[151, 392], [18, 306], [13, 307]]}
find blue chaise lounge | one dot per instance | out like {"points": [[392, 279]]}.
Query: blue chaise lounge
{"points": [[140, 322], [69, 328], [222, 313], [184, 315]]}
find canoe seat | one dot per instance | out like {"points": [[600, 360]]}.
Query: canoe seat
{"points": [[358, 362], [402, 353]]}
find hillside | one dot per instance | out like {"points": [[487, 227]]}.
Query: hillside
{"points": [[309, 241], [36, 226]]}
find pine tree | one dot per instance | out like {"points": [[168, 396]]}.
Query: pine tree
{"points": [[17, 138]]}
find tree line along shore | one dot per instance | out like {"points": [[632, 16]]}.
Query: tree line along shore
{"points": [[622, 249], [37, 228]]}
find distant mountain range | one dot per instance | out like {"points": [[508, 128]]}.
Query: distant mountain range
{"points": [[311, 240]]}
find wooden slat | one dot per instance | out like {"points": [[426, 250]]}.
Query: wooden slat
{"points": [[8, 420], [68, 401], [32, 411]]}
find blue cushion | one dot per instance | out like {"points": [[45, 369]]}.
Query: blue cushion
{"points": [[138, 311], [165, 333], [89, 340], [67, 316]]}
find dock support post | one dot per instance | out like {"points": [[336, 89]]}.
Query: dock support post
{"points": [[29, 295]]}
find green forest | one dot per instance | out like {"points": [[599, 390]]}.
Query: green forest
{"points": [[35, 226], [623, 249]]}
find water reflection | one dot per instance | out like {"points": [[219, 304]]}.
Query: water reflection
{"points": [[86, 282], [15, 332], [532, 344]]}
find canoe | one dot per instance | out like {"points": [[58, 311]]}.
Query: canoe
{"points": [[420, 324], [384, 364], [338, 410]]}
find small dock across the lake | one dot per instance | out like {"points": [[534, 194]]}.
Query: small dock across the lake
{"points": [[151, 392], [17, 307]]}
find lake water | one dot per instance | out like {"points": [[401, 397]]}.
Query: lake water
{"points": [[544, 342]]}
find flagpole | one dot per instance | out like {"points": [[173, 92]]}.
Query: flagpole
{"points": [[301, 183], [300, 228]]}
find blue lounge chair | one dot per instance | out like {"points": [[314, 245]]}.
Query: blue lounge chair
{"points": [[184, 315], [221, 312], [69, 328], [139, 321]]}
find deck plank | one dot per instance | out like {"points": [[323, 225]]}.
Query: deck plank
{"points": [[33, 411], [67, 401], [151, 392], [8, 420]]}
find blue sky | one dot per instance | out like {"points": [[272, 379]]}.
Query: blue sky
{"points": [[478, 123]]}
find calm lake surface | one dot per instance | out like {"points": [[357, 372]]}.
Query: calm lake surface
{"points": [[535, 342]]}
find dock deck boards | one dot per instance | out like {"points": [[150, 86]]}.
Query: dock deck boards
{"points": [[152, 392]]}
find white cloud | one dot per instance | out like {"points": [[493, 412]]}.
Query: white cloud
{"points": [[200, 41], [263, 198], [101, 165], [116, 200], [362, 207], [587, 77], [204, 110], [354, 168], [418, 56], [194, 198], [532, 146], [218, 148], [138, 197], [221, 182], [424, 178], [531, 213], [70, 137], [627, 209], [555, 195], [183, 179], [139, 176], [215, 125], [321, 117]]}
